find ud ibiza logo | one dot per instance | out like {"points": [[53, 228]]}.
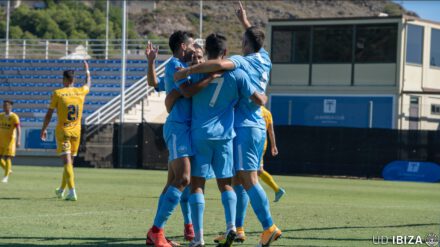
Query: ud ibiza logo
{"points": [[329, 106], [431, 240], [413, 167]]}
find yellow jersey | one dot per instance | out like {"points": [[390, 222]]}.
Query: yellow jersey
{"points": [[8, 123], [69, 103], [267, 116]]}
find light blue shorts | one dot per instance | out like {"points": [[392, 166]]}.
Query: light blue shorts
{"points": [[248, 148], [212, 155], [178, 139]]}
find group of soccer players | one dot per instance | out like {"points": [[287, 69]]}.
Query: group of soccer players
{"points": [[216, 128], [215, 125]]}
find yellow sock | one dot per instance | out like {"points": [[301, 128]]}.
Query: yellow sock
{"points": [[68, 170], [268, 179], [8, 167], [3, 164], [64, 180]]}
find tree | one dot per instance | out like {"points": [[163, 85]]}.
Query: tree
{"points": [[15, 32]]}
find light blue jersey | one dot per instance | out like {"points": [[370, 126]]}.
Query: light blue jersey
{"points": [[213, 107], [160, 84], [257, 66], [212, 127], [176, 130], [181, 111]]}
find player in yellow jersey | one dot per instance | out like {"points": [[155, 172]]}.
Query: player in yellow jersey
{"points": [[10, 134], [264, 175], [68, 102]]}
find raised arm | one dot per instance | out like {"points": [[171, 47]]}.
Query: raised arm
{"points": [[88, 77], [204, 68], [151, 54], [47, 118], [242, 17]]}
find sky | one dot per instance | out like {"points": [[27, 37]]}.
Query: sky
{"points": [[426, 9]]}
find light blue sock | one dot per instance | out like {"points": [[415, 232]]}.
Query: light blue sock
{"points": [[197, 204], [229, 201], [260, 204], [159, 204], [184, 205], [169, 203], [242, 203]]}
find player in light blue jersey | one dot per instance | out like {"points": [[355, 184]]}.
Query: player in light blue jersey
{"points": [[249, 126], [212, 135], [177, 138], [151, 52], [159, 85]]}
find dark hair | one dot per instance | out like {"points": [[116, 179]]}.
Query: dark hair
{"points": [[216, 44], [255, 37], [69, 74], [178, 38], [8, 101]]}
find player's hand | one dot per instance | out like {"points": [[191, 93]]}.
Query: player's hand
{"points": [[18, 144], [43, 135], [217, 74], [274, 151], [151, 52], [241, 13], [86, 65]]}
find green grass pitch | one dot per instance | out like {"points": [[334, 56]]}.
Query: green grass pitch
{"points": [[116, 207]]}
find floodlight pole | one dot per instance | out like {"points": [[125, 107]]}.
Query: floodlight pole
{"points": [[201, 19], [106, 30], [8, 10], [123, 63]]}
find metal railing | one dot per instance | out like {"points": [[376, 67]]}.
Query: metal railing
{"points": [[58, 48], [110, 111]]}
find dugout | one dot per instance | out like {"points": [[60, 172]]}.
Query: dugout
{"points": [[362, 72]]}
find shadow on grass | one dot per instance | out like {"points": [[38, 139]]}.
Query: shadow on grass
{"points": [[122, 242], [11, 198]]}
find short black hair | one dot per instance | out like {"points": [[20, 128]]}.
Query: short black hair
{"points": [[8, 101], [216, 45], [255, 36], [178, 38], [69, 75]]}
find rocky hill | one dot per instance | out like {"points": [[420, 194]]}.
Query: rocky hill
{"points": [[169, 16]]}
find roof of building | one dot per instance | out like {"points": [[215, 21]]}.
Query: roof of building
{"points": [[354, 18]]}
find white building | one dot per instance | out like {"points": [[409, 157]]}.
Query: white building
{"points": [[377, 72]]}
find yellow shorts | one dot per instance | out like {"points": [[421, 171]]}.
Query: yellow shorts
{"points": [[7, 148], [67, 144]]}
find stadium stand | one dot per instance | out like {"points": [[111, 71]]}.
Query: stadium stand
{"points": [[29, 83]]}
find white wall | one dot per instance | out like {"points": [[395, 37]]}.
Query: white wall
{"points": [[374, 74], [290, 74], [413, 78], [331, 74]]}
